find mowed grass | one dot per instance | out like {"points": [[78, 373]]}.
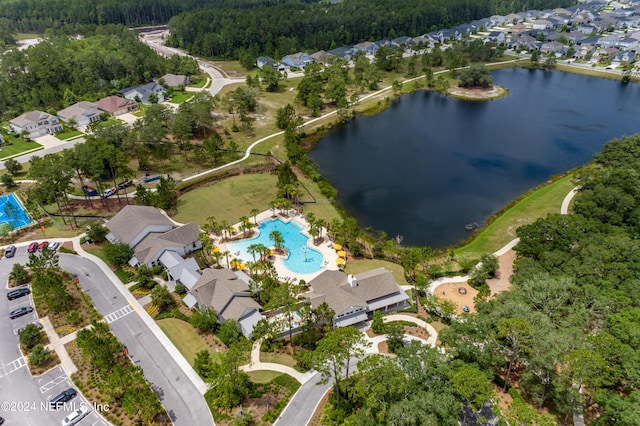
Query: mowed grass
{"points": [[179, 97], [355, 266], [263, 376], [278, 358], [540, 203], [17, 146], [184, 336], [67, 135], [228, 200]]}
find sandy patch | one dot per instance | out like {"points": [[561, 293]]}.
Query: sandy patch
{"points": [[501, 281], [451, 292], [478, 94]]}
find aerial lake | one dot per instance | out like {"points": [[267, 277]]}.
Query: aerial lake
{"points": [[430, 164]]}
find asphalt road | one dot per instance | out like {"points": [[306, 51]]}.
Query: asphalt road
{"points": [[26, 157], [303, 404], [24, 398], [182, 400]]}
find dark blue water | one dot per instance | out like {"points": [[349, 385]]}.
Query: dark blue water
{"points": [[431, 164]]}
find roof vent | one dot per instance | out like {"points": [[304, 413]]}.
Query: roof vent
{"points": [[353, 282]]}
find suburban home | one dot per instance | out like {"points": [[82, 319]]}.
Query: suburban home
{"points": [[626, 57], [115, 105], [497, 37], [264, 60], [354, 298], [369, 48], [82, 114], [150, 234], [574, 36], [298, 60], [341, 52], [421, 41], [402, 41], [321, 57], [228, 293], [36, 123], [585, 52], [627, 43], [541, 24], [175, 81], [552, 47], [142, 93]]}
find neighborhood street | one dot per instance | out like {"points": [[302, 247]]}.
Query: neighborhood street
{"points": [[182, 400]]}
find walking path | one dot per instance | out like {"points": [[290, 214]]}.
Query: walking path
{"points": [[255, 364], [56, 343]]}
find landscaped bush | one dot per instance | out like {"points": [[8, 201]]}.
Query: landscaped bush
{"points": [[30, 336], [181, 289], [230, 332], [18, 274], [39, 355], [377, 325]]}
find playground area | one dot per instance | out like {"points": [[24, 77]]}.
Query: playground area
{"points": [[12, 214]]}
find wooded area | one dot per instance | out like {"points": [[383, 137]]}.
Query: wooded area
{"points": [[63, 69], [293, 26]]}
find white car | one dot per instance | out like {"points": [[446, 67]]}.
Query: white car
{"points": [[109, 192], [76, 416], [54, 246]]}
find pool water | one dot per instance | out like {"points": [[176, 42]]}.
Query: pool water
{"points": [[12, 213], [302, 259]]}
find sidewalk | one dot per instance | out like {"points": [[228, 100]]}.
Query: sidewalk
{"points": [[56, 343], [153, 327], [255, 364]]}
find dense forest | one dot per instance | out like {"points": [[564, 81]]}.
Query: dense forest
{"points": [[293, 26], [62, 69], [37, 16]]}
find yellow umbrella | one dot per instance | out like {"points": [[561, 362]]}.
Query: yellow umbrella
{"points": [[271, 252], [215, 250], [340, 261], [341, 253], [242, 266], [337, 246]]}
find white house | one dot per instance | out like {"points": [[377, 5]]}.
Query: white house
{"points": [[82, 113], [36, 123]]}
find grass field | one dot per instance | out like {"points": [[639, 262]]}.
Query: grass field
{"points": [[179, 97], [278, 358], [227, 200], [540, 203], [362, 265], [184, 336], [67, 135], [17, 146], [263, 376]]}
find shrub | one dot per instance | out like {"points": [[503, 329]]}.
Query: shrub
{"points": [[30, 336], [230, 332], [18, 274], [161, 297], [39, 355], [73, 317], [377, 325], [97, 232], [204, 319], [181, 289]]}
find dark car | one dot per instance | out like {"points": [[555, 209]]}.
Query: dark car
{"points": [[62, 397], [33, 247], [20, 312], [124, 184], [19, 292], [9, 251]]}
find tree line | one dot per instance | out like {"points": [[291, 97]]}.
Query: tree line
{"points": [[79, 63], [288, 27]]}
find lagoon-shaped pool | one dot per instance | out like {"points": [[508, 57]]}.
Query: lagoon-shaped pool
{"points": [[302, 258]]}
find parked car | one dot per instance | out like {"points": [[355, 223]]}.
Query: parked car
{"points": [[62, 397], [54, 246], [124, 184], [38, 325], [9, 251], [43, 245], [33, 247], [20, 312], [76, 416], [465, 308], [109, 192], [17, 293]]}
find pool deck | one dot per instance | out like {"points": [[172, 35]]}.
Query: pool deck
{"points": [[284, 274]]}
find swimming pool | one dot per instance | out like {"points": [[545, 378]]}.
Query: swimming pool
{"points": [[302, 259], [12, 213]]}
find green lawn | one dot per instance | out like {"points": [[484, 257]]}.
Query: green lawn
{"points": [[184, 336], [17, 146], [355, 266], [540, 203], [179, 97], [263, 376], [228, 200], [202, 80], [66, 135], [278, 358]]}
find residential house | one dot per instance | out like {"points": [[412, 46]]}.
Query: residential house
{"points": [[627, 57], [342, 52], [298, 60], [82, 114], [512, 18], [402, 41], [609, 41], [175, 81], [541, 24], [321, 57], [498, 21], [36, 123], [421, 41], [264, 60], [150, 233], [369, 48], [585, 52], [627, 43], [142, 93], [354, 298], [587, 29], [553, 47], [227, 292], [526, 42], [588, 41], [574, 36], [497, 37], [381, 43], [115, 105]]}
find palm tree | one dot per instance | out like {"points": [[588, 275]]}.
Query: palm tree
{"points": [[254, 249], [254, 213], [226, 254], [212, 225], [277, 239], [245, 225], [224, 225]]}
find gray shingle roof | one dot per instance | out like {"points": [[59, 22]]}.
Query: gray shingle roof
{"points": [[131, 220], [222, 290]]}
